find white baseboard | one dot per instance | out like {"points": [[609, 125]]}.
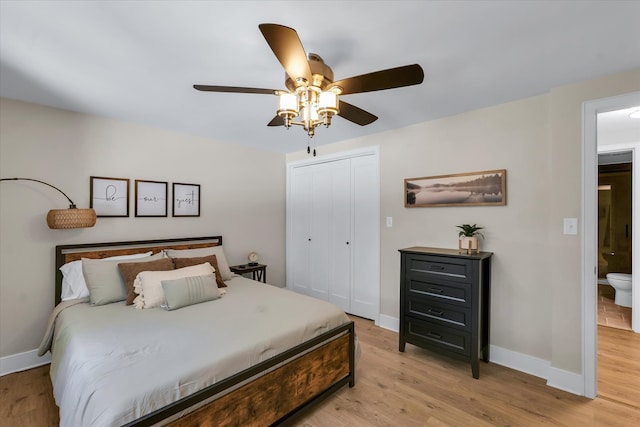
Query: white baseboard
{"points": [[22, 362], [567, 381], [557, 378], [519, 361], [389, 322]]}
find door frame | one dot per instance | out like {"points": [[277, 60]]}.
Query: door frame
{"points": [[367, 151], [590, 111]]}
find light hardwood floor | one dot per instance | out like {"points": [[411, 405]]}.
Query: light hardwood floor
{"points": [[415, 388]]}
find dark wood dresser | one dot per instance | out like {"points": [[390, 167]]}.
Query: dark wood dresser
{"points": [[444, 302]]}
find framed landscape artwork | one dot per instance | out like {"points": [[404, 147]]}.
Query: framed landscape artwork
{"points": [[463, 189]]}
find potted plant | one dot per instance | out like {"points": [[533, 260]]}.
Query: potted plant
{"points": [[468, 238]]}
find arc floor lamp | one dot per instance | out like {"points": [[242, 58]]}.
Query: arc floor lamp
{"points": [[65, 218]]}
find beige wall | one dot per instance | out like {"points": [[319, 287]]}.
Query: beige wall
{"points": [[243, 199], [536, 287], [536, 295]]}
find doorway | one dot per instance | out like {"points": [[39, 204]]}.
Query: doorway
{"points": [[591, 110], [614, 237]]}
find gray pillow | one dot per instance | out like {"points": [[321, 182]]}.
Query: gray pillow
{"points": [[104, 281], [186, 291], [223, 265]]}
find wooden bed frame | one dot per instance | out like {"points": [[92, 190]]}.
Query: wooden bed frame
{"points": [[272, 392]]}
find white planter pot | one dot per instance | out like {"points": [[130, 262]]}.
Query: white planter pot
{"points": [[469, 245]]}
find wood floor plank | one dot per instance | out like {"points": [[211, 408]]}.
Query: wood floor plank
{"points": [[418, 388], [619, 365]]}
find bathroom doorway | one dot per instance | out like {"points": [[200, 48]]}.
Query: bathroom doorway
{"points": [[618, 143], [614, 235]]}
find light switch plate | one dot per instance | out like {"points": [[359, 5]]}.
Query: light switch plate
{"points": [[571, 226], [389, 221]]}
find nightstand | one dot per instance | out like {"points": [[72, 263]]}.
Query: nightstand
{"points": [[258, 272]]}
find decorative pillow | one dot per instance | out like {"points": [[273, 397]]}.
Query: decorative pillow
{"points": [[211, 259], [104, 281], [148, 284], [130, 270], [73, 283], [186, 291], [223, 266]]}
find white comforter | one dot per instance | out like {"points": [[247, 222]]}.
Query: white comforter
{"points": [[112, 364]]}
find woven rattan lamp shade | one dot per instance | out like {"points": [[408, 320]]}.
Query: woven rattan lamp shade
{"points": [[71, 218]]}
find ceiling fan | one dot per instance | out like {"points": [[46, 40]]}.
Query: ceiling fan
{"points": [[312, 94]]}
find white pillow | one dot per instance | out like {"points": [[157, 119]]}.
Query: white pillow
{"points": [[148, 284], [223, 265], [73, 284]]}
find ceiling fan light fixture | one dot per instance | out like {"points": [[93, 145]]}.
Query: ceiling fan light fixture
{"points": [[328, 103], [312, 94], [288, 107]]}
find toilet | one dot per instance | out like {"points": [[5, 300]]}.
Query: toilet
{"points": [[621, 282]]}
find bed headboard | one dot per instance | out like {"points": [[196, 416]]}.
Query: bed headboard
{"points": [[68, 253]]}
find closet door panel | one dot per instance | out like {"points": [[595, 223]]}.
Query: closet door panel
{"points": [[300, 217], [366, 225], [320, 189], [340, 235]]}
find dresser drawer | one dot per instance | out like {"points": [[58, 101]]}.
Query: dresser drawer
{"points": [[430, 309], [429, 334], [443, 291], [456, 269]]}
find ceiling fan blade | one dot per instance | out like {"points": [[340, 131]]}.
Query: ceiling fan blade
{"points": [[380, 80], [276, 121], [355, 114], [287, 47], [235, 89]]}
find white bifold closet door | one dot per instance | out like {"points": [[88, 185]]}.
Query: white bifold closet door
{"points": [[333, 218]]}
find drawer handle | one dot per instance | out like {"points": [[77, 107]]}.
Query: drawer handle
{"points": [[436, 267], [436, 290], [436, 312], [434, 335]]}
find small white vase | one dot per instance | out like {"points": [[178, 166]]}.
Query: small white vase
{"points": [[468, 245]]}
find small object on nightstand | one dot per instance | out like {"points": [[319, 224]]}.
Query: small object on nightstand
{"points": [[258, 271], [253, 259]]}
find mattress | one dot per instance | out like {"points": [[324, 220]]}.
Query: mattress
{"points": [[112, 364]]}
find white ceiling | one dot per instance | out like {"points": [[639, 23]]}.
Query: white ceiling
{"points": [[616, 127], [137, 60]]}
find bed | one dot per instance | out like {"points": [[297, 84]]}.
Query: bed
{"points": [[258, 355]]}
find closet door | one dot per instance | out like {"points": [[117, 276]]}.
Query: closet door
{"points": [[333, 225]]}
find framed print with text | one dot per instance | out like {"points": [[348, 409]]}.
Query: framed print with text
{"points": [[186, 199], [152, 198], [109, 197]]}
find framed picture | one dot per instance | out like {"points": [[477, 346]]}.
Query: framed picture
{"points": [[152, 198], [109, 196], [463, 189], [186, 199]]}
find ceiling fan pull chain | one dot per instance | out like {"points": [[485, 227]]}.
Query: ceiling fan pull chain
{"points": [[314, 152]]}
